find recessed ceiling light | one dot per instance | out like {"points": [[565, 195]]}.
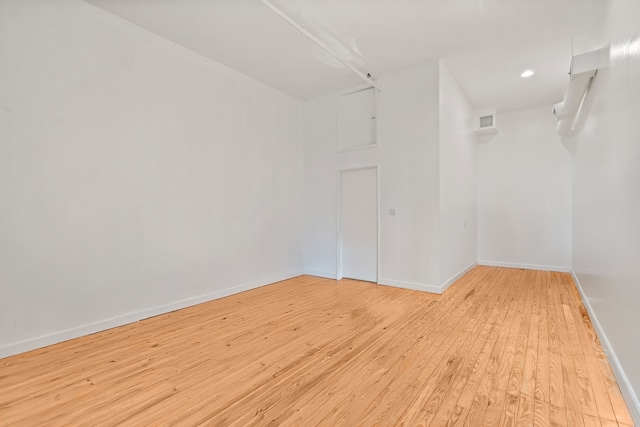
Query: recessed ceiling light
{"points": [[527, 73]]}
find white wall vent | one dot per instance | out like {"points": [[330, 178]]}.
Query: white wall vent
{"points": [[486, 122]]}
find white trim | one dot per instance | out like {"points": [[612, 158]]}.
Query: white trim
{"points": [[525, 266], [338, 207], [320, 273], [623, 381], [424, 287], [457, 276], [356, 89], [379, 229], [359, 147], [410, 285], [338, 228], [112, 322]]}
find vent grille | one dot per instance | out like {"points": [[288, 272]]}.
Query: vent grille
{"points": [[486, 121]]}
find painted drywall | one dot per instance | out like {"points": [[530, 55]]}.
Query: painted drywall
{"points": [[409, 175], [458, 180], [524, 193], [135, 175], [427, 157], [407, 111], [606, 196]]}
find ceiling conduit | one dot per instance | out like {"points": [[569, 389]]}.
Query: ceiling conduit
{"points": [[314, 39]]}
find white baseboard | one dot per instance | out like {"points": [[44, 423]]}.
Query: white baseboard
{"points": [[101, 325], [457, 276], [410, 285], [525, 266], [623, 381], [321, 273], [424, 287]]}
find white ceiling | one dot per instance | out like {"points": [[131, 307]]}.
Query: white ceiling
{"points": [[486, 44]]}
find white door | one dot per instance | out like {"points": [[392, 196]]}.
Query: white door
{"points": [[359, 224]]}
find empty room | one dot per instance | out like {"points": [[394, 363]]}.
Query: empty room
{"points": [[306, 212]]}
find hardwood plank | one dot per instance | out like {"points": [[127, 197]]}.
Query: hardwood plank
{"points": [[587, 400], [268, 408], [480, 402], [571, 398], [390, 350], [374, 379], [386, 408], [574, 418], [320, 359], [500, 347], [591, 421], [374, 397], [541, 416], [515, 378], [557, 416], [529, 375], [588, 335], [499, 357], [432, 394], [556, 378], [525, 410], [542, 387], [477, 360], [510, 412], [458, 417], [495, 408], [601, 395]]}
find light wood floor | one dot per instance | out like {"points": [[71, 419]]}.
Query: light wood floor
{"points": [[500, 347]]}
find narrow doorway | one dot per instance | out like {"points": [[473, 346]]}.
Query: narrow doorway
{"points": [[358, 224]]}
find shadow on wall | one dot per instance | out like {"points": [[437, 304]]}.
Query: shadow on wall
{"points": [[484, 139]]}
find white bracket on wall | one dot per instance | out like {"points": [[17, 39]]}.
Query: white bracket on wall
{"points": [[583, 70]]}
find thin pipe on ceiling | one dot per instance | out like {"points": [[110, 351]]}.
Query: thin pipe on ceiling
{"points": [[314, 39]]}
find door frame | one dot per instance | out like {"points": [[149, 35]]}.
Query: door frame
{"points": [[376, 167]]}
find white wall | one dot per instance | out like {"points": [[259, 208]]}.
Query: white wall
{"points": [[606, 198], [524, 193], [409, 178], [427, 156], [408, 159], [458, 180], [135, 176]]}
